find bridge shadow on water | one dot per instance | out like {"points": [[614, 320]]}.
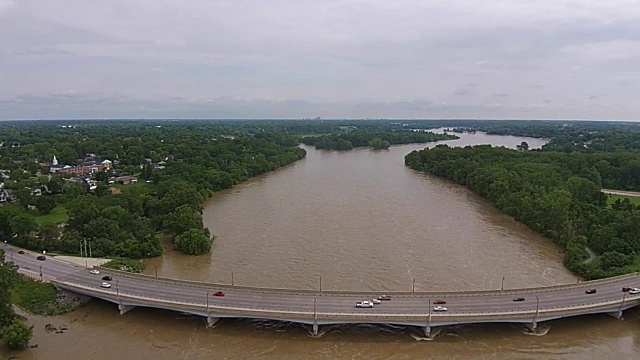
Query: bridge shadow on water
{"points": [[366, 333]]}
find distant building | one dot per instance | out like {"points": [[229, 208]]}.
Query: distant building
{"points": [[91, 164], [125, 180], [7, 196]]}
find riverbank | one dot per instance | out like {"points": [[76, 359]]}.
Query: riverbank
{"points": [[43, 298]]}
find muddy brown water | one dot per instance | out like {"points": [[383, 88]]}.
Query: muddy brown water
{"points": [[360, 220]]}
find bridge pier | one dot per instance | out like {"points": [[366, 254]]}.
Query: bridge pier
{"points": [[315, 329], [124, 308], [212, 321], [427, 331], [616, 314], [533, 326]]}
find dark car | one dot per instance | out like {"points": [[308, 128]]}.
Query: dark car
{"points": [[20, 251], [41, 258], [590, 291], [518, 299], [626, 289], [384, 297], [107, 278], [439, 302], [219, 293]]}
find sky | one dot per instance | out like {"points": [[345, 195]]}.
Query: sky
{"points": [[427, 59]]}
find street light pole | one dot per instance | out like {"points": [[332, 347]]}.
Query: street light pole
{"points": [[41, 279], [232, 279], [117, 290], [207, 303], [321, 283], [502, 286], [413, 286], [156, 266], [537, 307]]}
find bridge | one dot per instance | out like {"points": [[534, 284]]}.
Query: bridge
{"points": [[317, 308]]}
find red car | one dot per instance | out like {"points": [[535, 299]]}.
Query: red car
{"points": [[439, 302], [626, 289], [219, 293]]}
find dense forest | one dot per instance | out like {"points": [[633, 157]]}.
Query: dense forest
{"points": [[557, 193], [376, 140]]}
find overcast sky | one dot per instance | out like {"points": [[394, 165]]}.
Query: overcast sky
{"points": [[524, 59]]}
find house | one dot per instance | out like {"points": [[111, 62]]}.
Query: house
{"points": [[125, 180], [36, 192], [7, 196]]}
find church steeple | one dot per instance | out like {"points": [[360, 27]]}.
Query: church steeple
{"points": [[55, 161]]}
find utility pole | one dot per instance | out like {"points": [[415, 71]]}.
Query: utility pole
{"points": [[41, 278]]}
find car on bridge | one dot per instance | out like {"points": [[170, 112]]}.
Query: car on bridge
{"points": [[384, 297], [94, 272], [219, 293], [590, 291], [20, 251], [518, 299], [634, 291], [375, 301], [364, 304], [107, 278], [439, 302], [105, 285], [439, 308], [41, 258]]}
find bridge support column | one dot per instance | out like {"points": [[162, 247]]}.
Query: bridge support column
{"points": [[315, 329], [124, 308], [212, 321], [616, 314], [533, 326], [427, 331]]}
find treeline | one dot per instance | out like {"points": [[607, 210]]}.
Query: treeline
{"points": [[375, 140], [13, 331], [196, 160], [556, 194]]}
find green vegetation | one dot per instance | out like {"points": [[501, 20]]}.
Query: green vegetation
{"points": [[612, 199], [58, 215], [376, 140], [37, 297], [128, 265], [15, 334]]}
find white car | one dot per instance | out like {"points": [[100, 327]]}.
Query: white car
{"points": [[364, 304], [94, 272], [634, 291], [439, 308], [375, 301], [105, 285]]}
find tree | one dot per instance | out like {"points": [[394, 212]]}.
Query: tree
{"points": [[17, 335], [7, 274], [22, 225], [194, 242], [524, 146], [45, 204], [182, 219]]}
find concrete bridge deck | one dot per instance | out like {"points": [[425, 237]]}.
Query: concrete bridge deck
{"points": [[338, 307]]}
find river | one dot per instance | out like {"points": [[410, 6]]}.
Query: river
{"points": [[356, 220]]}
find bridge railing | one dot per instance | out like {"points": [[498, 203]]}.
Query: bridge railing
{"points": [[577, 285], [200, 308]]}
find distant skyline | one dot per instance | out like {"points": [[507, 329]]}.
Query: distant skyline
{"points": [[439, 59]]}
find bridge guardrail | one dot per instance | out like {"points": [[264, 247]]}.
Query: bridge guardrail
{"points": [[584, 284], [200, 308]]}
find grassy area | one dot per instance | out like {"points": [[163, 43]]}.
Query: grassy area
{"points": [[140, 187], [58, 215], [39, 298], [612, 199], [129, 265]]}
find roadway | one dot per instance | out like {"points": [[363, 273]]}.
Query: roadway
{"points": [[126, 288]]}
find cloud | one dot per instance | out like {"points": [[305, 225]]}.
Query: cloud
{"points": [[359, 57]]}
